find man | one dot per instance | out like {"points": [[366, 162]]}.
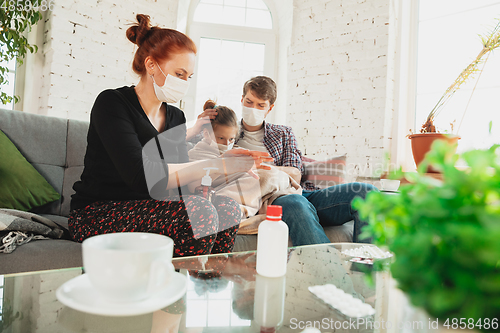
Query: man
{"points": [[304, 214]]}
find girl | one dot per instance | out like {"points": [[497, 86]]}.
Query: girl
{"points": [[218, 136], [252, 193]]}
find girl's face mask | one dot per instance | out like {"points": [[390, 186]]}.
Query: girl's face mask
{"points": [[224, 148], [210, 139]]}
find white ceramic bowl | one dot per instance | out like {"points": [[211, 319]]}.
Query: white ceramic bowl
{"points": [[389, 184]]}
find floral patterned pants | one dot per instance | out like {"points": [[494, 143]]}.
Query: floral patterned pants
{"points": [[196, 225]]}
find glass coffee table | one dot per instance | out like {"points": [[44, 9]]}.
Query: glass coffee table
{"points": [[224, 294]]}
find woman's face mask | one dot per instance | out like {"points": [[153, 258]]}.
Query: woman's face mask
{"points": [[172, 90]]}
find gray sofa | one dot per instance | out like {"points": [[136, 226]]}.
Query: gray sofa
{"points": [[56, 147]]}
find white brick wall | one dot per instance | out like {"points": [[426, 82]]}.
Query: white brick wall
{"points": [[337, 74], [284, 15], [334, 89], [86, 51]]}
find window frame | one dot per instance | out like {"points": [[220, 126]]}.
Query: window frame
{"points": [[14, 84], [405, 22], [207, 299], [2, 284], [197, 30]]}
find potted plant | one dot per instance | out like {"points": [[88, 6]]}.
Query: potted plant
{"points": [[444, 235], [16, 19], [422, 142]]}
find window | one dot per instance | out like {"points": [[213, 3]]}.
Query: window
{"points": [[232, 63], [246, 13], [11, 77], [236, 41], [447, 42], [210, 304]]}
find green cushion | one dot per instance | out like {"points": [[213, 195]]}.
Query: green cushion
{"points": [[21, 186]]}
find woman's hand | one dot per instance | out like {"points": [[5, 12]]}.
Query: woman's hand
{"points": [[258, 156], [243, 160], [203, 119]]}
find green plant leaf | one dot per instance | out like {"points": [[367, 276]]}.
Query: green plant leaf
{"points": [[14, 24], [444, 234]]}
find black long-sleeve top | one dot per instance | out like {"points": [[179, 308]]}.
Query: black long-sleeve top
{"points": [[119, 129]]}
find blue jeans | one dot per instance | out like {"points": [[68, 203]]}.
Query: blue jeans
{"points": [[307, 214]]}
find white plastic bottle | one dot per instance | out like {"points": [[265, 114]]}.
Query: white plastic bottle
{"points": [[272, 244], [269, 302]]}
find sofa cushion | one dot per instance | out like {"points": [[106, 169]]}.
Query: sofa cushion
{"points": [[22, 187], [54, 176], [40, 139], [42, 255], [61, 220], [327, 173], [71, 175], [77, 142], [341, 233]]}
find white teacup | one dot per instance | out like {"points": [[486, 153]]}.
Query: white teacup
{"points": [[128, 266], [389, 184]]}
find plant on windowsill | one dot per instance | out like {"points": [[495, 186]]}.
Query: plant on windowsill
{"points": [[444, 234], [422, 142], [16, 19]]}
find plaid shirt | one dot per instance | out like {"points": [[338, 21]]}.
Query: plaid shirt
{"points": [[281, 144]]}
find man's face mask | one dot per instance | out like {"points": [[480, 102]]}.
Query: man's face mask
{"points": [[253, 117]]}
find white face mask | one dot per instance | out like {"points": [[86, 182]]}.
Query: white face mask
{"points": [[214, 145], [172, 90], [253, 117], [224, 148], [211, 143]]}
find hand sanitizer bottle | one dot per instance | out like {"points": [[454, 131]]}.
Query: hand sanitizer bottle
{"points": [[205, 190], [272, 244]]}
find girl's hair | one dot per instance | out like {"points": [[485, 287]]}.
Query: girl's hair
{"points": [[159, 43], [225, 116]]}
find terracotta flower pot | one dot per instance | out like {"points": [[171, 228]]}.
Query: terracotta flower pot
{"points": [[421, 144]]}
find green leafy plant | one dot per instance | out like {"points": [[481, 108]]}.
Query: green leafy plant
{"points": [[16, 19], [490, 42], [445, 235]]}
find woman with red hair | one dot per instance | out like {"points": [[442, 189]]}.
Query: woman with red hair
{"points": [[114, 193]]}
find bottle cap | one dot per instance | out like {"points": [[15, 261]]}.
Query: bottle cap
{"points": [[267, 329], [274, 211]]}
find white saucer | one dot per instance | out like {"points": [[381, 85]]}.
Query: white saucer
{"points": [[80, 295]]}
